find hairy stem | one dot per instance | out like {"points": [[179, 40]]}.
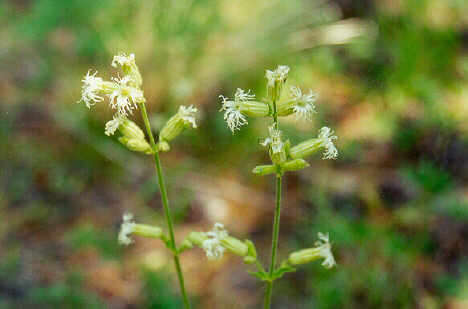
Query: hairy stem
{"points": [[165, 202]]}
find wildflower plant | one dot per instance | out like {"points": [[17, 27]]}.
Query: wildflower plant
{"points": [[125, 95], [284, 158]]}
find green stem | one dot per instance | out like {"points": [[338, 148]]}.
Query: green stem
{"points": [[274, 244], [276, 223], [165, 202]]}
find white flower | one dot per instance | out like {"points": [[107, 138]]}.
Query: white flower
{"points": [[188, 114], [233, 116], [241, 95], [126, 229], [304, 107], [92, 86], [324, 250], [124, 98], [212, 245], [123, 60], [279, 75], [113, 125], [326, 138], [274, 140]]}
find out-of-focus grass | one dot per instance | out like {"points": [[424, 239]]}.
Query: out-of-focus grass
{"points": [[391, 76]]}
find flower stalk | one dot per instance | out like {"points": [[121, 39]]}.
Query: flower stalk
{"points": [[284, 158], [125, 95], [165, 202]]}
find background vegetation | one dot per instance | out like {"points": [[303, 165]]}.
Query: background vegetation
{"points": [[392, 79]]}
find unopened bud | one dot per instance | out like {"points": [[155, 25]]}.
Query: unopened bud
{"points": [[265, 170], [134, 144], [185, 117], [163, 146], [197, 238], [254, 108], [186, 244], [294, 165], [305, 148], [235, 246], [251, 254], [131, 130], [147, 230]]}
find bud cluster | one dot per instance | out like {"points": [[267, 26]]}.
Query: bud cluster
{"points": [[284, 157], [123, 93], [133, 137]]}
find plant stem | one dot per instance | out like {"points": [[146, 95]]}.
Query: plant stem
{"points": [[274, 244], [165, 202], [276, 223]]}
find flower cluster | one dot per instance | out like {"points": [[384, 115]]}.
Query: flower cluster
{"points": [[124, 93]]}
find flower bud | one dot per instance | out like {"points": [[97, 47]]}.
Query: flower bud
{"points": [[324, 140], [294, 165], [134, 144], [254, 108], [305, 148], [186, 244], [251, 254], [197, 238], [163, 146], [147, 231], [249, 260], [276, 80], [265, 170], [235, 246], [131, 130], [322, 250], [185, 117]]}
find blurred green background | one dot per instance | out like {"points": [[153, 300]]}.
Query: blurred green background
{"points": [[393, 83]]}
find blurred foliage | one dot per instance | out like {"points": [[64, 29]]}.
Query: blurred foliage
{"points": [[392, 80]]}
